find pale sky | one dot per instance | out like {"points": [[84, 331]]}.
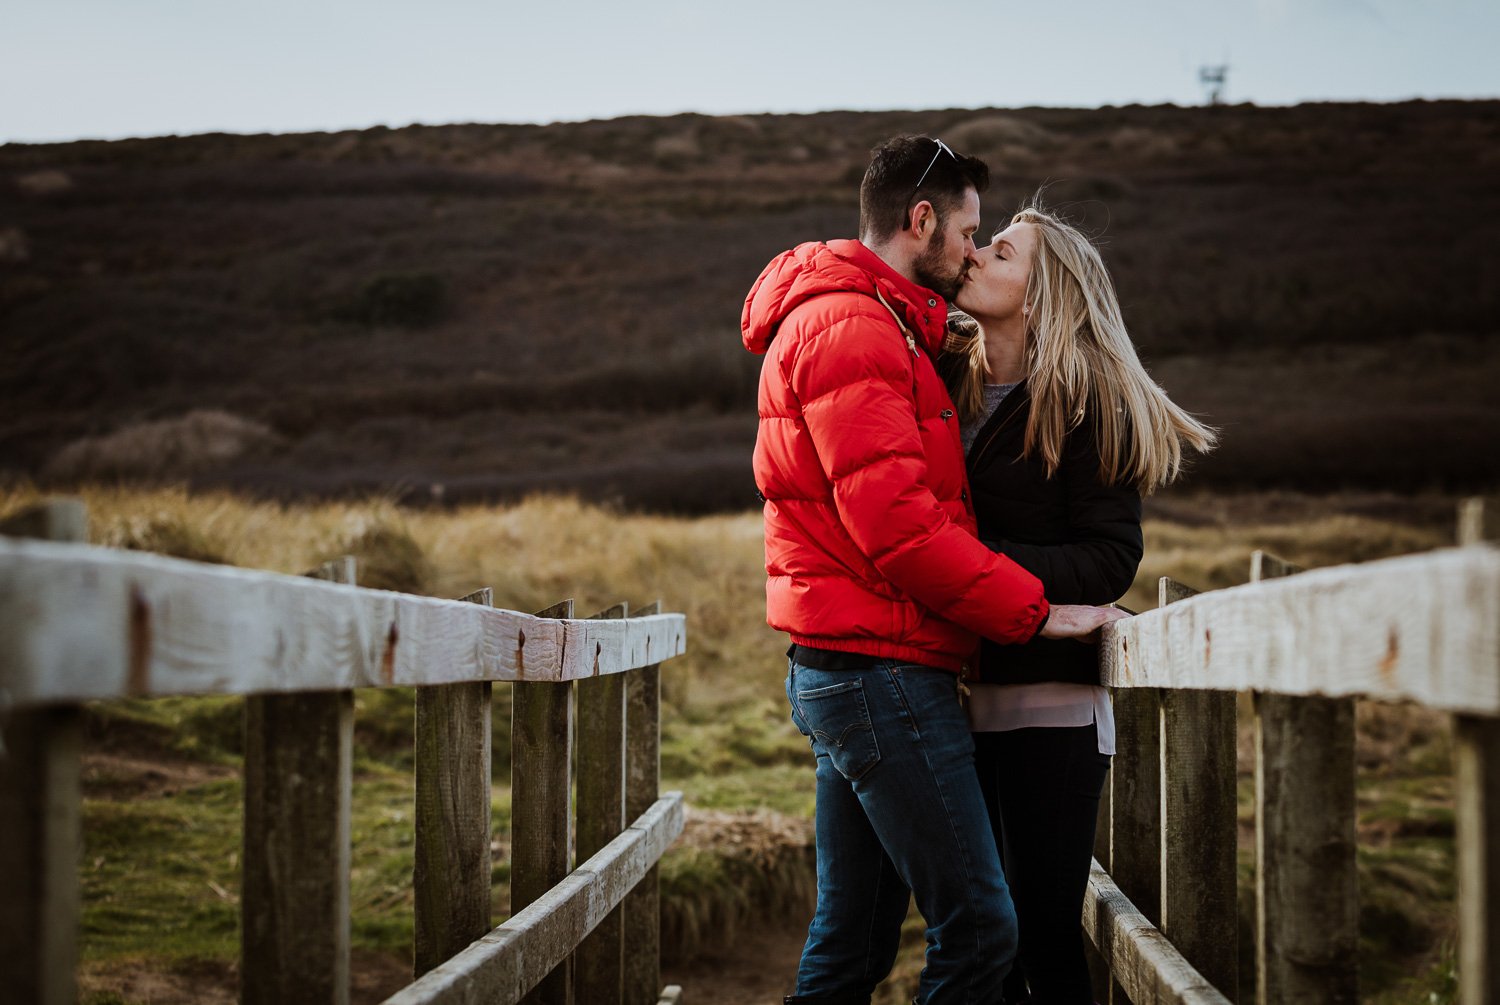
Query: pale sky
{"points": [[73, 69]]}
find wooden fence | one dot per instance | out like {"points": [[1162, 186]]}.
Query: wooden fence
{"points": [[79, 623], [1161, 903]]}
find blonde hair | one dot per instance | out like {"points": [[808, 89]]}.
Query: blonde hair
{"points": [[1080, 362]]}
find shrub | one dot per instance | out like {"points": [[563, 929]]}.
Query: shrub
{"points": [[165, 534], [199, 440], [44, 183], [14, 246], [402, 300], [729, 872], [388, 558]]}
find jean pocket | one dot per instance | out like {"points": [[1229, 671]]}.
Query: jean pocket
{"points": [[838, 721]]}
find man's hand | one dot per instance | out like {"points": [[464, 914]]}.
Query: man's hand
{"points": [[1079, 621]]}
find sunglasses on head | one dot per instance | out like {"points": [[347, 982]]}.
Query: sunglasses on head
{"points": [[942, 148]]}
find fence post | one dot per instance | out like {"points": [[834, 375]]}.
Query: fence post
{"points": [[1306, 876], [1099, 979], [294, 896], [1476, 763], [642, 934], [601, 816], [1135, 804], [541, 745], [1135, 799], [451, 872], [40, 806], [1198, 824]]}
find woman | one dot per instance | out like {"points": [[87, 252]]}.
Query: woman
{"points": [[1063, 430]]}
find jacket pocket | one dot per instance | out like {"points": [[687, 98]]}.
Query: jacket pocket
{"points": [[837, 720]]}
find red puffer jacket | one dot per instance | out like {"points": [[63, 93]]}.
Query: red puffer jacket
{"points": [[870, 543]]}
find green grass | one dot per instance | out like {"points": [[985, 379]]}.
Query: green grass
{"points": [[161, 876]]}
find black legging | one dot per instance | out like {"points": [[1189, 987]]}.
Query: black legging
{"points": [[1042, 786]]}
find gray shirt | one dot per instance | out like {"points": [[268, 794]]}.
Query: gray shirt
{"points": [[993, 395]]}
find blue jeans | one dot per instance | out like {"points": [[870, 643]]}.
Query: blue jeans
{"points": [[899, 812]]}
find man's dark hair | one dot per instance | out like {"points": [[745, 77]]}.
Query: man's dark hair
{"points": [[890, 186]]}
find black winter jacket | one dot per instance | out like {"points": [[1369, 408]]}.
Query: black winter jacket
{"points": [[1081, 538]]}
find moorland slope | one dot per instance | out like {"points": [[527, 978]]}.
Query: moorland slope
{"points": [[477, 311]]}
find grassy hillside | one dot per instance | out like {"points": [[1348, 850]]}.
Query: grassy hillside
{"points": [[161, 781], [474, 312]]}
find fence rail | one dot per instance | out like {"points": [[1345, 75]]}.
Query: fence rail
{"points": [[79, 623], [1161, 904], [102, 623]]}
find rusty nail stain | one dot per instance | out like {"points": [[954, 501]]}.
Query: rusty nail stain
{"points": [[1208, 644], [1392, 652], [598, 648], [520, 655], [388, 658], [139, 679]]}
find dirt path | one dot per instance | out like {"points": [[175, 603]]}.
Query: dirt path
{"points": [[759, 971]]}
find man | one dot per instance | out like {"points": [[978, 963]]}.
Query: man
{"points": [[875, 572]]}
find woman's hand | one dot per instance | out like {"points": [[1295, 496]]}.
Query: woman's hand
{"points": [[1079, 621]]}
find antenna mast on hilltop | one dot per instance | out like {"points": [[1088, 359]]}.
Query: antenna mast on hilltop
{"points": [[1212, 78]]}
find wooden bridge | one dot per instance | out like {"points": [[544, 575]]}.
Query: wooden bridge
{"points": [[79, 623], [1160, 908]]}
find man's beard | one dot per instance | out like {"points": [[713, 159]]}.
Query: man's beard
{"points": [[932, 273]]}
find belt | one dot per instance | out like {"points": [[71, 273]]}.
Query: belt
{"points": [[829, 659]]}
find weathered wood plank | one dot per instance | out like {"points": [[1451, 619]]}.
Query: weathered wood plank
{"points": [[1135, 798], [1477, 806], [1198, 824], [1419, 627], [508, 962], [1128, 836], [40, 845], [1478, 520], [451, 872], [1098, 971], [1306, 876], [541, 744], [642, 785], [1476, 757], [53, 520], [1147, 966], [294, 896], [1134, 792], [601, 817], [40, 807], [105, 624]]}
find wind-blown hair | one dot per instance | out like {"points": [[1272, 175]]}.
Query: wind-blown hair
{"points": [[1081, 364]]}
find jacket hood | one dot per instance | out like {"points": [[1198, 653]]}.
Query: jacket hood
{"points": [[816, 268]]}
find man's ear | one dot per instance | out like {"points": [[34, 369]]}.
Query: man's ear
{"points": [[921, 215]]}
